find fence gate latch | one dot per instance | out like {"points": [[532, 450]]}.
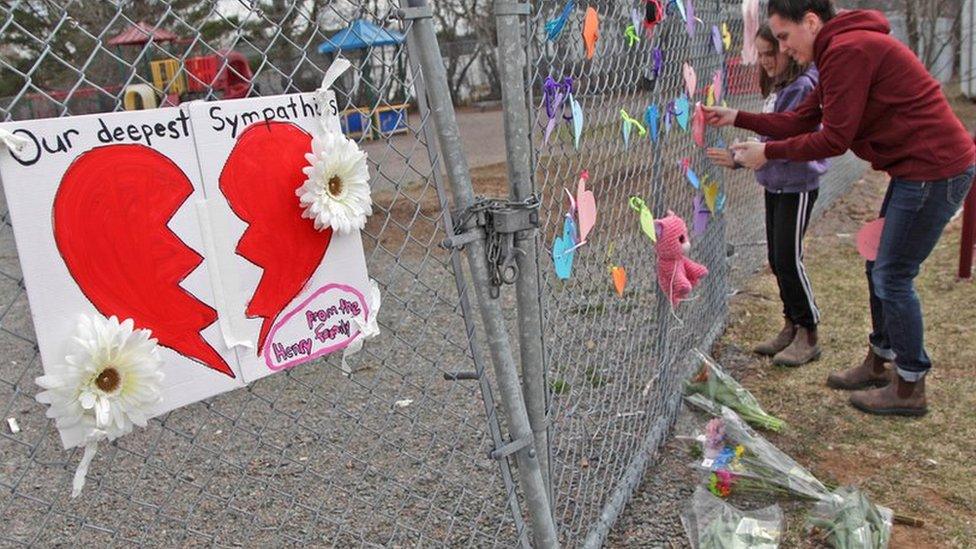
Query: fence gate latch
{"points": [[510, 448], [499, 222], [513, 8]]}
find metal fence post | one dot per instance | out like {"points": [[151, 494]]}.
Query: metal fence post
{"points": [[477, 355], [511, 66], [423, 35]]}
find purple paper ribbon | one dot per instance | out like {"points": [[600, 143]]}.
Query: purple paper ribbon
{"points": [[554, 99]]}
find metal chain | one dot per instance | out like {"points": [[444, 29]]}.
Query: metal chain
{"points": [[500, 250]]}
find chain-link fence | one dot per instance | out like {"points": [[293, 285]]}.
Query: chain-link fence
{"points": [[615, 363], [394, 454], [397, 453]]}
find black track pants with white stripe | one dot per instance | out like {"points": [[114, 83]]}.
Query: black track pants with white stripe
{"points": [[787, 216]]}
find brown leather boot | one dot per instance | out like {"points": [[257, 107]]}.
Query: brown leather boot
{"points": [[778, 343], [802, 349], [898, 398], [871, 373]]}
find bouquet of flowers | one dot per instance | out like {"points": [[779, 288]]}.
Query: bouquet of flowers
{"points": [[739, 460], [710, 523], [852, 521], [710, 388]]}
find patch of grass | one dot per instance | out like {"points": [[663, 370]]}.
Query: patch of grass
{"points": [[559, 386], [921, 467], [595, 378]]}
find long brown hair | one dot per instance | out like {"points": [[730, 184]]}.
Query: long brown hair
{"points": [[769, 84]]}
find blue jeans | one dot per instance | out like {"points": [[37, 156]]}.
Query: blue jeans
{"points": [[915, 215]]}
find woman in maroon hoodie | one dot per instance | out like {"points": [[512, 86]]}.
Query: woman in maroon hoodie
{"points": [[876, 99]]}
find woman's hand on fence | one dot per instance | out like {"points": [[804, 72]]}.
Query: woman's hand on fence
{"points": [[750, 154], [721, 157], [720, 116]]}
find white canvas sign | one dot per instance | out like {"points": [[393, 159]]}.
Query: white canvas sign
{"points": [[182, 220]]}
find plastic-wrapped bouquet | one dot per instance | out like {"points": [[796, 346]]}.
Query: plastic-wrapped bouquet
{"points": [[740, 460], [712, 388], [852, 521], [710, 523]]}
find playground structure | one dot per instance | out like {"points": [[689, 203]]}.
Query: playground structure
{"points": [[361, 35], [226, 74]]}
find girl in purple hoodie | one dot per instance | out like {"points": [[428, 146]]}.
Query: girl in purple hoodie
{"points": [[791, 190]]}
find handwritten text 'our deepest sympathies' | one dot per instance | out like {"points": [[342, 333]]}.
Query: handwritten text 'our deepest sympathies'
{"points": [[180, 125]]}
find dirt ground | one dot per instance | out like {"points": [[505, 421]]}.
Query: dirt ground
{"points": [[923, 468], [401, 158]]}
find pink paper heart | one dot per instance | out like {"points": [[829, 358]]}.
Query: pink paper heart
{"points": [[718, 82], [698, 125], [869, 238], [691, 79], [585, 207]]}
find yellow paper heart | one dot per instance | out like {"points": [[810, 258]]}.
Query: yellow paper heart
{"points": [[711, 193]]}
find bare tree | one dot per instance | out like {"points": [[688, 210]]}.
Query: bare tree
{"points": [[932, 29], [466, 31]]}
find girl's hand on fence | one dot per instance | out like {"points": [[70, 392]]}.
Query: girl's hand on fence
{"points": [[720, 116], [721, 157], [750, 154]]}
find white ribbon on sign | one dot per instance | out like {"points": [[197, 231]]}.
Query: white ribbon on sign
{"points": [[367, 329], [334, 71], [12, 141]]}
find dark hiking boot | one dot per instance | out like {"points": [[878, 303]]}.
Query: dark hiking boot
{"points": [[778, 343], [898, 398], [802, 349], [871, 373]]}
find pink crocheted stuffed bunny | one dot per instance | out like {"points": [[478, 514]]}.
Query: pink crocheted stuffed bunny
{"points": [[676, 274]]}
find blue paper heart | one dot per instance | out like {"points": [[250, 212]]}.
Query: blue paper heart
{"points": [[693, 178], [683, 111], [650, 116], [555, 26], [562, 249]]}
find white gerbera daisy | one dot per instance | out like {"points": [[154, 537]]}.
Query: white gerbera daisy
{"points": [[336, 193], [110, 381]]}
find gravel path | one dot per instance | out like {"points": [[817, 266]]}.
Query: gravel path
{"points": [[402, 158]]}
